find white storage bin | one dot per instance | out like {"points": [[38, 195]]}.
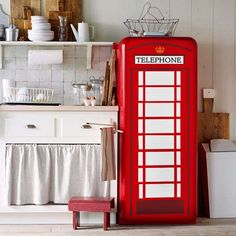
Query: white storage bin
{"points": [[221, 174]]}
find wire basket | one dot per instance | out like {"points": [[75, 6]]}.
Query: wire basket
{"points": [[150, 25], [29, 95]]}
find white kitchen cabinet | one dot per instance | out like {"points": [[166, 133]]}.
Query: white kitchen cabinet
{"points": [[53, 125], [28, 126]]}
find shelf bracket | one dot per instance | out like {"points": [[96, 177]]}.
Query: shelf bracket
{"points": [[89, 56], [1, 56]]}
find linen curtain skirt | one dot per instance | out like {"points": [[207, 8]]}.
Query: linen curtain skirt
{"points": [[42, 174]]}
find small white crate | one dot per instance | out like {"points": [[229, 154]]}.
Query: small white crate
{"points": [[29, 95]]}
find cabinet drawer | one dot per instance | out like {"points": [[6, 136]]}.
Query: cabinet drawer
{"points": [[29, 127], [73, 126]]}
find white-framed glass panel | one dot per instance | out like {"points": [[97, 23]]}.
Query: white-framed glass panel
{"points": [[140, 126], [159, 109], [140, 195], [140, 158], [159, 174], [178, 94], [178, 109], [140, 94], [178, 125], [178, 159], [160, 94], [140, 110], [159, 158], [178, 78], [159, 126], [178, 174], [159, 141], [140, 142], [160, 78], [140, 78], [140, 175], [178, 141], [178, 190], [159, 190]]}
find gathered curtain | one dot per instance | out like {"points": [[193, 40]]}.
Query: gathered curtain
{"points": [[42, 174]]}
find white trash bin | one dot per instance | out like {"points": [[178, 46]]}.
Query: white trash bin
{"points": [[221, 174]]}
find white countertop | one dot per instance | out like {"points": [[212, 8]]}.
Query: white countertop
{"points": [[4, 108]]}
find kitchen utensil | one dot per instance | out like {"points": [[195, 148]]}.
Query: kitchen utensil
{"points": [[19, 23], [4, 18], [212, 125], [81, 93], [106, 84], [27, 21], [83, 33], [97, 89], [21, 12], [111, 78], [17, 8], [12, 33]]}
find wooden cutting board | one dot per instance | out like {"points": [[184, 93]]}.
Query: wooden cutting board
{"points": [[70, 5], [17, 7], [76, 7], [212, 125]]}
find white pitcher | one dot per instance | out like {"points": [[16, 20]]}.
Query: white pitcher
{"points": [[83, 33]]}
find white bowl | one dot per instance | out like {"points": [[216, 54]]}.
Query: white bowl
{"points": [[41, 26], [40, 32], [39, 21], [39, 38], [38, 17]]}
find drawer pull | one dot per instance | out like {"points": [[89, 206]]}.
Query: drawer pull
{"points": [[86, 126], [31, 126]]}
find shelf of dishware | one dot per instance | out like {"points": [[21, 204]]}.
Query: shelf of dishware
{"points": [[54, 43]]}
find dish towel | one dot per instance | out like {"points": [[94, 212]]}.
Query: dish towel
{"points": [[108, 154]]}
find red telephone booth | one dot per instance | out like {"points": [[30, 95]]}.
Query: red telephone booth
{"points": [[157, 84]]}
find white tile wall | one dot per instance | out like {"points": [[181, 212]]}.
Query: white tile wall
{"points": [[58, 77]]}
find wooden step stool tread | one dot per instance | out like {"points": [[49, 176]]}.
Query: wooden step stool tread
{"points": [[91, 204]]}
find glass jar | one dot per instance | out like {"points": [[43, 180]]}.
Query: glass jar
{"points": [[81, 93], [97, 90]]}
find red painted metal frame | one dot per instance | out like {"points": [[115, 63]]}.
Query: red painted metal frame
{"points": [[131, 209]]}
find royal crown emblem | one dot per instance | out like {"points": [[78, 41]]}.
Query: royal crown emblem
{"points": [[160, 49]]}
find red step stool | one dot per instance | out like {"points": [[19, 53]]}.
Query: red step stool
{"points": [[91, 204]]}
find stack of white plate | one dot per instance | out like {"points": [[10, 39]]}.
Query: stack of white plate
{"points": [[41, 29]]}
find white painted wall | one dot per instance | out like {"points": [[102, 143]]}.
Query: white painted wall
{"points": [[211, 22]]}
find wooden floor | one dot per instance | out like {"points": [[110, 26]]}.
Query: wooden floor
{"points": [[203, 227]]}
